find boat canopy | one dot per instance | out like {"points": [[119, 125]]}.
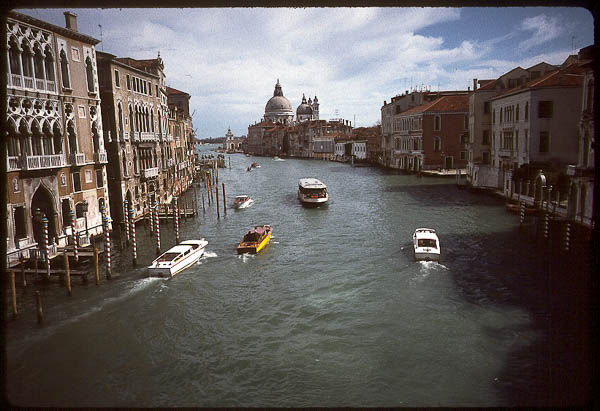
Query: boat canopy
{"points": [[308, 183]]}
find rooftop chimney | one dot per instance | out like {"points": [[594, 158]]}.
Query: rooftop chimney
{"points": [[71, 20], [474, 84]]}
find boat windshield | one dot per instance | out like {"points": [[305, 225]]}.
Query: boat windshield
{"points": [[167, 257], [427, 242]]}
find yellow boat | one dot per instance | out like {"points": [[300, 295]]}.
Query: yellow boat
{"points": [[255, 239]]}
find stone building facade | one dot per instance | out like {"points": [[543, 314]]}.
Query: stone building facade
{"points": [[135, 113], [56, 158]]}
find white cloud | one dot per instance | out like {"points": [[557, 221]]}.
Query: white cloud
{"points": [[543, 29]]}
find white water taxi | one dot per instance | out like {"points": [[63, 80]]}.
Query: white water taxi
{"points": [[255, 239], [242, 201], [427, 244], [178, 258], [312, 192]]}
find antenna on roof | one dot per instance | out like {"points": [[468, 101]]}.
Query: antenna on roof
{"points": [[101, 43]]}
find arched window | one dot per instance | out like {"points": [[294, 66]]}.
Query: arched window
{"points": [[37, 139], [147, 118], [95, 137], [136, 165], [58, 140], [527, 110], [49, 65], [120, 119], [72, 137], [27, 60], [159, 122], [14, 55], [131, 122], [137, 119], [64, 70], [89, 72], [38, 64], [124, 162], [79, 213], [12, 144], [152, 119]]}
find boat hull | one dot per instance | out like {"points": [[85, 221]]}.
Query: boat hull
{"points": [[309, 201], [253, 248], [426, 256], [171, 270]]}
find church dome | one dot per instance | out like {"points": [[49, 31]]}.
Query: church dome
{"points": [[278, 104], [304, 108]]}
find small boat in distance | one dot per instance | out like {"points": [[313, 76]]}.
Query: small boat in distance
{"points": [[312, 192], [242, 201], [177, 258], [427, 244], [255, 239]]}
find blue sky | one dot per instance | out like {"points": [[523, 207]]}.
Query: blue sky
{"points": [[352, 59]]}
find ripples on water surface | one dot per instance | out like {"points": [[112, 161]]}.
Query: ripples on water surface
{"points": [[334, 312]]}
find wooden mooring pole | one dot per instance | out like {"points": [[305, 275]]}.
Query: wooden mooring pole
{"points": [[23, 277], [96, 268], [13, 294], [67, 274], [217, 199], [224, 201]]}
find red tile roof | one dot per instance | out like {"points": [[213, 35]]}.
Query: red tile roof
{"points": [[445, 103], [173, 91]]}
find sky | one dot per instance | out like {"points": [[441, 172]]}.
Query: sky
{"points": [[352, 59]]}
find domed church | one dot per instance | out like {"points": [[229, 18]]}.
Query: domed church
{"points": [[307, 110], [278, 108]]}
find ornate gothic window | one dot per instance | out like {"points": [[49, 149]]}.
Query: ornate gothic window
{"points": [[89, 72], [64, 70]]}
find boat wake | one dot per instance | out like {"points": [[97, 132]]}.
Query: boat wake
{"points": [[208, 254], [278, 159], [245, 257], [431, 266]]}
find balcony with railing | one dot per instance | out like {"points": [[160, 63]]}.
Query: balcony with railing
{"points": [[44, 162], [507, 152], [19, 81], [13, 163], [77, 159], [136, 136], [151, 172], [101, 157]]}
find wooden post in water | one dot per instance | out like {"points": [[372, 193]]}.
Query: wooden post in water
{"points": [[203, 208], [217, 199], [13, 294], [96, 268], [23, 277], [35, 263], [68, 274], [549, 198], [75, 235], [224, 200], [38, 306]]}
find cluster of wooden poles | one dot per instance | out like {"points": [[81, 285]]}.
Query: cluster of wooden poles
{"points": [[151, 218]]}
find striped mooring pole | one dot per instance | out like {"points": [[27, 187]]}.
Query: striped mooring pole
{"points": [[134, 243], [75, 235], [176, 219], [567, 236], [107, 247], [546, 225], [150, 215], [46, 245], [157, 228], [522, 216], [126, 219]]}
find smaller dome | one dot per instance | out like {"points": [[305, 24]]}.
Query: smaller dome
{"points": [[304, 109]]}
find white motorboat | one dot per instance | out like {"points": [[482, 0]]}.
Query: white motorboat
{"points": [[177, 259], [427, 244], [312, 192], [242, 201]]}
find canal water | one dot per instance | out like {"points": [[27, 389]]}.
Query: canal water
{"points": [[334, 312]]}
